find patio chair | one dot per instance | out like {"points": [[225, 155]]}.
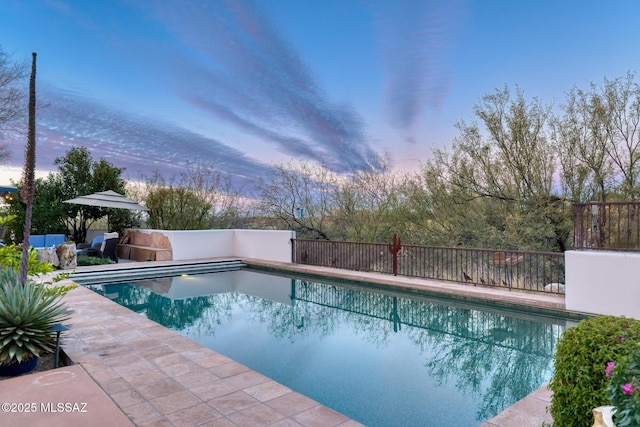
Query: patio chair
{"points": [[109, 249], [96, 244], [106, 249]]}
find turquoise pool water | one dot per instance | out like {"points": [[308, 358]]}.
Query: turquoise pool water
{"points": [[381, 358]]}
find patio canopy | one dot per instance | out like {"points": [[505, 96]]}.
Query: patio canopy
{"points": [[107, 199]]}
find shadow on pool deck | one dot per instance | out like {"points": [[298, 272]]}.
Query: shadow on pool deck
{"points": [[62, 397], [154, 376]]}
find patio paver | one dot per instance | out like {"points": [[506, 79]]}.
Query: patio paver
{"points": [[36, 400]]}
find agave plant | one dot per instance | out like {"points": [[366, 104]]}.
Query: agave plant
{"points": [[27, 314]]}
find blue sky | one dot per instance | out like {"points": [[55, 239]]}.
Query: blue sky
{"points": [[150, 85]]}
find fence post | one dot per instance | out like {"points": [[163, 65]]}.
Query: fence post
{"points": [[578, 227], [394, 248]]}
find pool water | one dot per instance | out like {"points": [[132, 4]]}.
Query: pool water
{"points": [[380, 358]]}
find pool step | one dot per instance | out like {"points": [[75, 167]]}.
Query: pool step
{"points": [[144, 271]]}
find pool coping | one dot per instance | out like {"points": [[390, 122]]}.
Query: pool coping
{"points": [[533, 302]]}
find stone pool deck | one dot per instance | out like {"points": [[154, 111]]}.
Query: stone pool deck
{"points": [[133, 371], [528, 412]]}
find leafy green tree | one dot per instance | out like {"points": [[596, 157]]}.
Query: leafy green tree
{"points": [[598, 138], [198, 198], [81, 175], [495, 187], [78, 175], [581, 136], [48, 214]]}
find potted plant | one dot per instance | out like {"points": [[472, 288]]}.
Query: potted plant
{"points": [[27, 314]]}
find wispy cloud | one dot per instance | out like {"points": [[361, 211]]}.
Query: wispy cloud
{"points": [[243, 71], [140, 144], [415, 36]]}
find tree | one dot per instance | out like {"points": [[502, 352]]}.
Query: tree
{"points": [[623, 101], [512, 160], [80, 175], [581, 136], [370, 204], [495, 187], [48, 214], [300, 198], [599, 137], [12, 97], [28, 189], [198, 198]]}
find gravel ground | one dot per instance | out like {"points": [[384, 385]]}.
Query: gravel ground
{"points": [[44, 364]]}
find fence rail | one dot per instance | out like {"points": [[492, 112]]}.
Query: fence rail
{"points": [[607, 226], [531, 271]]}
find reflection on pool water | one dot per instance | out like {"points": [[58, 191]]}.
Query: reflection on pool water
{"points": [[381, 358]]}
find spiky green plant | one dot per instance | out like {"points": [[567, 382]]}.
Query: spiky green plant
{"points": [[27, 314]]}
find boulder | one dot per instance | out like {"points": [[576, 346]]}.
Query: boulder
{"points": [[48, 255], [67, 255], [555, 287]]}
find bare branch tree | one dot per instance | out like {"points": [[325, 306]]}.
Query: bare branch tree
{"points": [[13, 95], [300, 196]]}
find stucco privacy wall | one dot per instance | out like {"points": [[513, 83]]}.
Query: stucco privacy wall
{"points": [[271, 245], [603, 282]]}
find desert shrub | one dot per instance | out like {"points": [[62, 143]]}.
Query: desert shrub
{"points": [[10, 256], [92, 260], [579, 383]]}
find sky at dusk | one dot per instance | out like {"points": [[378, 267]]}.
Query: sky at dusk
{"points": [[151, 85]]}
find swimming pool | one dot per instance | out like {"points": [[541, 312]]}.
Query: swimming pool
{"points": [[381, 358]]}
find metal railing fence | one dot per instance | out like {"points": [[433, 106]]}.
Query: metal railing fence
{"points": [[607, 226], [523, 270]]}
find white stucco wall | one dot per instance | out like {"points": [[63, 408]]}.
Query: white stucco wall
{"points": [[193, 244], [603, 282], [272, 245]]}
